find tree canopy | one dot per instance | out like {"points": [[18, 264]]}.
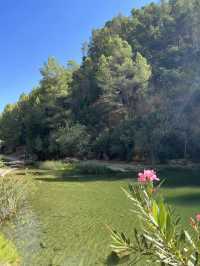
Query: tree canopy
{"points": [[135, 94]]}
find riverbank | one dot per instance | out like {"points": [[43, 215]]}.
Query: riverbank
{"points": [[67, 216]]}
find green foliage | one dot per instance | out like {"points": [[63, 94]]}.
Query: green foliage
{"points": [[8, 253], [9, 119], [142, 70], [92, 168], [160, 238], [2, 164], [84, 204], [71, 140], [122, 80], [117, 143], [82, 168], [51, 165]]}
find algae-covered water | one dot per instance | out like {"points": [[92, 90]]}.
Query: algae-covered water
{"points": [[64, 222]]}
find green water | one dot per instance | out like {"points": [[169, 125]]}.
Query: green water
{"points": [[65, 221]]}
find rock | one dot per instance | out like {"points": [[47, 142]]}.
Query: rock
{"points": [[178, 162], [43, 245], [71, 160]]}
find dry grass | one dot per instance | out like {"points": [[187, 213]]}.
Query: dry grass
{"points": [[13, 191]]}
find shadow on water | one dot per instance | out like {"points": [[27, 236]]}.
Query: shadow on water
{"points": [[61, 176], [187, 199], [113, 260], [80, 179], [174, 178]]}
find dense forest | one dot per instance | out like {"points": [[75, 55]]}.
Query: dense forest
{"points": [[135, 95]]}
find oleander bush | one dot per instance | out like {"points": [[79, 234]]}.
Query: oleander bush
{"points": [[160, 240]]}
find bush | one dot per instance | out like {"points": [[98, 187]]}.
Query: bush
{"points": [[116, 143], [13, 192], [71, 140], [51, 165], [161, 239], [82, 168], [2, 164], [91, 168]]}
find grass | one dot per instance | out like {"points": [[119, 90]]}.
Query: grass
{"points": [[13, 191], [51, 165], [8, 253], [2, 164], [92, 168], [82, 168], [3, 158], [73, 212]]}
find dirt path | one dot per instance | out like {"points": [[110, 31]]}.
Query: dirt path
{"points": [[12, 163]]}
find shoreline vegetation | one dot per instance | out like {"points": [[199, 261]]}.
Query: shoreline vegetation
{"points": [[67, 201], [13, 198], [86, 129], [134, 96], [111, 167], [70, 186]]}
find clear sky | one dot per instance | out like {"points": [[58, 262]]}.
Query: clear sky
{"points": [[33, 30]]}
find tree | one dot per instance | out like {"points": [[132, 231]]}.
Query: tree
{"points": [[71, 140], [134, 91], [123, 81], [10, 127]]}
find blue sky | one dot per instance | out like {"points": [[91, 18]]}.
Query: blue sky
{"points": [[33, 30]]}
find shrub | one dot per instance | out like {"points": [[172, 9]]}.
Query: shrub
{"points": [[82, 168], [116, 143], [92, 168], [160, 240], [12, 196], [2, 164], [71, 140], [51, 165]]}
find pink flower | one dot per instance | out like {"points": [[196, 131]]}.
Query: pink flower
{"points": [[148, 176], [198, 217]]}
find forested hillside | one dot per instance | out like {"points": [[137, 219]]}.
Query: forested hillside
{"points": [[135, 95]]}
